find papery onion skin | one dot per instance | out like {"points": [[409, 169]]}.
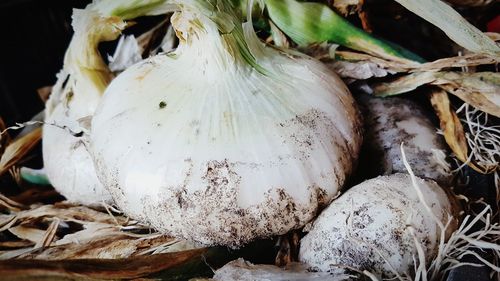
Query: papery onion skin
{"points": [[204, 145], [74, 98], [68, 163]]}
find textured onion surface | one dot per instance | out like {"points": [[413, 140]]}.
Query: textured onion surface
{"points": [[67, 161], [370, 223], [201, 145]]}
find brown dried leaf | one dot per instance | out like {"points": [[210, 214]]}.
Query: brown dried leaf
{"points": [[278, 37], [117, 245], [27, 233], [393, 66], [49, 235], [451, 126], [133, 267], [68, 212], [7, 221], [467, 60], [37, 194], [16, 244], [481, 89], [403, 84], [18, 149], [493, 36], [11, 204]]}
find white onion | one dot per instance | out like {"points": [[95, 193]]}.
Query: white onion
{"points": [[370, 227], [74, 98], [224, 140]]}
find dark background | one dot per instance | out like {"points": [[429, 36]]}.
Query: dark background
{"points": [[34, 36]]}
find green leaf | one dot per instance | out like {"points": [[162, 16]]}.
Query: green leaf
{"points": [[307, 23]]}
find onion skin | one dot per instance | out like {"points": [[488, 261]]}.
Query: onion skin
{"points": [[222, 145], [68, 163], [374, 216]]}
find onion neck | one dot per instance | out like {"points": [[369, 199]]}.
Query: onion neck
{"points": [[212, 31]]}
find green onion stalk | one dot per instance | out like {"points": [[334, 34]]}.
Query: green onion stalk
{"points": [[307, 23]]}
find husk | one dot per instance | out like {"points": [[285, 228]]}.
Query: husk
{"points": [[16, 150]]}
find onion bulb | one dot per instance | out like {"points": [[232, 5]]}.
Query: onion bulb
{"points": [[379, 225], [225, 139], [74, 98], [77, 93]]}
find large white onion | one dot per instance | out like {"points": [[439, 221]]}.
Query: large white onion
{"points": [[77, 93], [225, 139]]}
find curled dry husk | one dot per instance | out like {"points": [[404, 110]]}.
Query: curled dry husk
{"points": [[225, 139], [375, 226]]}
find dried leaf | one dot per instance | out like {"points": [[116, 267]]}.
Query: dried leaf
{"points": [[451, 126], [18, 149], [289, 249], [134, 267], [481, 89], [468, 60], [68, 212], [16, 244], [453, 24], [458, 61], [49, 235], [37, 194], [11, 204], [5, 255], [116, 245], [7, 221], [27, 233], [403, 84], [148, 40]]}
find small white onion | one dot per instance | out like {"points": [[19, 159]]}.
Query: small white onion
{"points": [[368, 227], [73, 100]]}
